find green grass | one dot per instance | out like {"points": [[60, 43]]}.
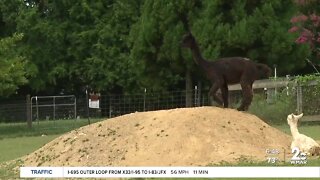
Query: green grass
{"points": [[11, 130], [12, 148], [8, 170], [17, 140], [304, 128]]}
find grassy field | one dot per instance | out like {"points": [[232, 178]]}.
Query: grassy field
{"points": [[16, 140], [12, 148], [309, 129], [12, 130]]}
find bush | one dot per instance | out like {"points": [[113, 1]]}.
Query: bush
{"points": [[274, 111]]}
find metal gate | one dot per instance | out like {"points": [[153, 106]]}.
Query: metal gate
{"points": [[53, 107]]}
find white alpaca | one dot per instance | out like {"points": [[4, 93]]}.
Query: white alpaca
{"points": [[303, 142]]}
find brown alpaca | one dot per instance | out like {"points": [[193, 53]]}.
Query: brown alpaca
{"points": [[225, 71]]}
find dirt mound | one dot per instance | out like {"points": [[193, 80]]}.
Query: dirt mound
{"points": [[177, 137]]}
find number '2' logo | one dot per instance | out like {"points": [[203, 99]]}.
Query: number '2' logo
{"points": [[298, 155]]}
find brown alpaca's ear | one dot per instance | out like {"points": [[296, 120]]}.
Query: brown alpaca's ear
{"points": [[187, 37]]}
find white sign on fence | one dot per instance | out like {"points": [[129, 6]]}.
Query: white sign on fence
{"points": [[94, 100], [93, 104]]}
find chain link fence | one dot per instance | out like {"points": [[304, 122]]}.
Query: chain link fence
{"points": [[281, 98]]}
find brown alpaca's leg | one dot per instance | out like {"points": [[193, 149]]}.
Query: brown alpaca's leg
{"points": [[225, 95], [247, 95], [213, 93]]}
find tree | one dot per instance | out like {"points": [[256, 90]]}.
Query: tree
{"points": [[72, 44], [128, 45], [12, 66], [156, 41], [157, 49], [307, 25], [102, 46], [254, 29]]}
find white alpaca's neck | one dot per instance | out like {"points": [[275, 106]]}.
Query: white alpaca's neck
{"points": [[294, 131]]}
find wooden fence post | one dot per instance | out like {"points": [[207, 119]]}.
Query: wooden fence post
{"points": [[189, 89], [28, 105], [299, 98]]}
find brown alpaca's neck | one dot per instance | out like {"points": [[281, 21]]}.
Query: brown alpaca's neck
{"points": [[294, 131], [197, 57]]}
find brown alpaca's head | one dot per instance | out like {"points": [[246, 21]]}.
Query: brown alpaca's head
{"points": [[188, 40], [264, 71]]}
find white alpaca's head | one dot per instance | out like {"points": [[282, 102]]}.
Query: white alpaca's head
{"points": [[293, 119]]}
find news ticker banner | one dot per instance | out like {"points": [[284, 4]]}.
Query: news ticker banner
{"points": [[163, 172]]}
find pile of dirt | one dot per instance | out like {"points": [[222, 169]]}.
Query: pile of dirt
{"points": [[177, 137]]}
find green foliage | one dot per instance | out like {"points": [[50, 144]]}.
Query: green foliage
{"points": [[72, 44], [258, 30], [156, 41], [129, 45], [100, 49], [12, 66], [275, 111], [305, 24], [306, 79], [310, 92]]}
